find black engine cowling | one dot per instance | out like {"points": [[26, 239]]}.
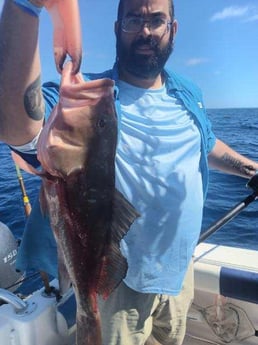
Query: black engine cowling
{"points": [[8, 253]]}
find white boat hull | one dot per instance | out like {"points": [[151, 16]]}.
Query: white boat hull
{"points": [[224, 311], [225, 307]]}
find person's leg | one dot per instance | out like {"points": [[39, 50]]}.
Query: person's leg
{"points": [[132, 318], [126, 316], [169, 318]]}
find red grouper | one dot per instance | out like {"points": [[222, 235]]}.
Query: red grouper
{"points": [[88, 215]]}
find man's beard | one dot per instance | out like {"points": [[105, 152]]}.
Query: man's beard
{"points": [[142, 65]]}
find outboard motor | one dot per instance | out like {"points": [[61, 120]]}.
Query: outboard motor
{"points": [[8, 253]]}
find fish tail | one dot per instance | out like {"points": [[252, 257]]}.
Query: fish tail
{"points": [[88, 330]]}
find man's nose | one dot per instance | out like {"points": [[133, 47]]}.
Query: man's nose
{"points": [[146, 30]]}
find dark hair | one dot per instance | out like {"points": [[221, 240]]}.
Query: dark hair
{"points": [[121, 9]]}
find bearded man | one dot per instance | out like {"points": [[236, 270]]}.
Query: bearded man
{"points": [[165, 143]]}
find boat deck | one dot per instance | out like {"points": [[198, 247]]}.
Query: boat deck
{"points": [[191, 341]]}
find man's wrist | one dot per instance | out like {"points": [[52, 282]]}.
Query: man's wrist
{"points": [[28, 7]]}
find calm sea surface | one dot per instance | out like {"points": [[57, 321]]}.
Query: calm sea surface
{"points": [[237, 127]]}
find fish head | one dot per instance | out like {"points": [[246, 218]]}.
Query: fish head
{"points": [[102, 126], [82, 129]]}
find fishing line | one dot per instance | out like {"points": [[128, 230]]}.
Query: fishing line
{"points": [[22, 280]]}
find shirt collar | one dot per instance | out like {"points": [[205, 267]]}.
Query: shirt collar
{"points": [[172, 84]]}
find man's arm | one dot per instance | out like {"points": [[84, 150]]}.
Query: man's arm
{"points": [[223, 158], [21, 100]]}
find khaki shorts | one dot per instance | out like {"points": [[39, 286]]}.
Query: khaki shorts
{"points": [[129, 317]]}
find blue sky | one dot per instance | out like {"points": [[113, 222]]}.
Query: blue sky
{"points": [[216, 46]]}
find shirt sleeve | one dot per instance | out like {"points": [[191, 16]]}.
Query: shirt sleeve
{"points": [[211, 137]]}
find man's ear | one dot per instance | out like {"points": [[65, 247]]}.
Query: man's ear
{"points": [[174, 27], [116, 28]]}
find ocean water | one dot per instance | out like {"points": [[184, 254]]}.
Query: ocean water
{"points": [[237, 127]]}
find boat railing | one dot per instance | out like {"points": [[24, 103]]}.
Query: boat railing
{"points": [[18, 304]]}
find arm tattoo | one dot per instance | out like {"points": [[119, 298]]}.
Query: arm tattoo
{"points": [[248, 170], [33, 101]]}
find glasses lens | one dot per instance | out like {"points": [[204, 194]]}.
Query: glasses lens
{"points": [[157, 24], [135, 24], [132, 24]]}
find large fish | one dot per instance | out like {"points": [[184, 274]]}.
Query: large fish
{"points": [[88, 215]]}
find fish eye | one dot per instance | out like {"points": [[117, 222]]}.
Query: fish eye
{"points": [[101, 123]]}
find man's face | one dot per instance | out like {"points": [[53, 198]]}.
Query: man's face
{"points": [[143, 54]]}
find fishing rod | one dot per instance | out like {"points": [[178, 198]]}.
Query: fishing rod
{"points": [[253, 184], [26, 201], [27, 209]]}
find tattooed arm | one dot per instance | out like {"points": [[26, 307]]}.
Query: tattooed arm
{"points": [[21, 101], [223, 158]]}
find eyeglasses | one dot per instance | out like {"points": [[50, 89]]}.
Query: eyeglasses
{"points": [[156, 25]]}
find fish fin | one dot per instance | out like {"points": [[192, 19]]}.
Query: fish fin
{"points": [[114, 265], [23, 164], [63, 276]]}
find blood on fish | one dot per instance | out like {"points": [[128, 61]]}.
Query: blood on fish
{"points": [[76, 150]]}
